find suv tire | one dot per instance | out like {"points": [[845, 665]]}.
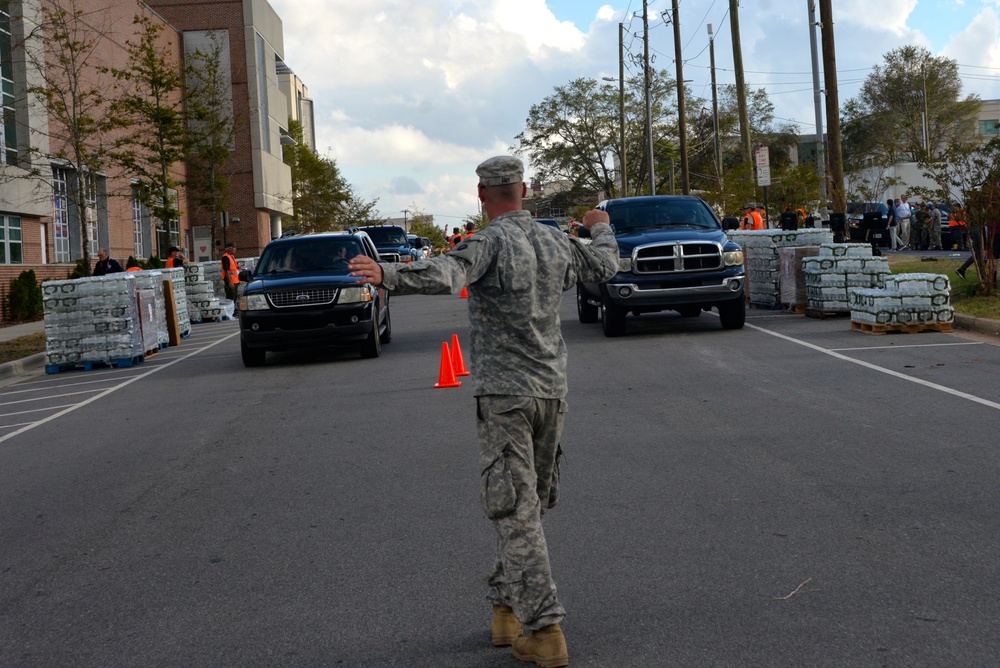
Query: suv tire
{"points": [[386, 336], [612, 319], [733, 313], [588, 312], [252, 357], [372, 346]]}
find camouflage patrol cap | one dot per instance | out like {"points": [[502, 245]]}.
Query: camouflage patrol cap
{"points": [[500, 170]]}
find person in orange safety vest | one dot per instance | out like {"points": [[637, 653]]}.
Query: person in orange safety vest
{"points": [[230, 272]]}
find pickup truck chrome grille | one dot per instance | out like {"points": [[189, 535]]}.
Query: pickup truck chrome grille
{"points": [[305, 297], [389, 256], [676, 257]]}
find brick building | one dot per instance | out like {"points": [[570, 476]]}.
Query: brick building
{"points": [[40, 226]]}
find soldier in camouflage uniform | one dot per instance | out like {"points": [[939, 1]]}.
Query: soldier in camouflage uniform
{"points": [[516, 271], [921, 228]]}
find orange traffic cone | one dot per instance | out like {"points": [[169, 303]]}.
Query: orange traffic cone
{"points": [[465, 293], [457, 363], [446, 375]]}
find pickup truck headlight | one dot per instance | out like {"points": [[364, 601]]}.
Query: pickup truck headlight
{"points": [[254, 302], [625, 264], [355, 295], [732, 258]]}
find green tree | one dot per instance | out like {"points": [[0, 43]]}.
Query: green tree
{"points": [[319, 192], [211, 126], [74, 89], [573, 136], [150, 108], [358, 212], [885, 122]]}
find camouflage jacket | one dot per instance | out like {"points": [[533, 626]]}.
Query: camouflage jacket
{"points": [[516, 271]]}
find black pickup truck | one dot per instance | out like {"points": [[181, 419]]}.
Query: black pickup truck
{"points": [[674, 255]]}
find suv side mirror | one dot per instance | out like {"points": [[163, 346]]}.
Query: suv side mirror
{"points": [[730, 223], [245, 275]]}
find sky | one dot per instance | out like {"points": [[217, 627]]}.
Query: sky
{"points": [[410, 96]]}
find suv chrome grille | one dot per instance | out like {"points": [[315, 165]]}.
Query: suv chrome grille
{"points": [[676, 257], [304, 297]]}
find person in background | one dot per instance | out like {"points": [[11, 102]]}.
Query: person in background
{"points": [[470, 229], [903, 214], [895, 242], [105, 265], [957, 228], [516, 272], [132, 264], [935, 227], [920, 235], [455, 238], [231, 272], [174, 258]]}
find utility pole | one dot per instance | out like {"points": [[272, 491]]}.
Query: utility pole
{"points": [[648, 84], [741, 87], [817, 103], [681, 120], [832, 107], [621, 105], [405, 225], [927, 118], [715, 106]]}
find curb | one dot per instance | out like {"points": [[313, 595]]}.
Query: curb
{"points": [[979, 325], [22, 367]]}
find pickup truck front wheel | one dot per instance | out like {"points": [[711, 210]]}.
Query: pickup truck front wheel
{"points": [[612, 319], [733, 313], [588, 312]]}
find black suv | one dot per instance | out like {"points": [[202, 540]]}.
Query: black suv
{"points": [[301, 294], [674, 255], [391, 242]]}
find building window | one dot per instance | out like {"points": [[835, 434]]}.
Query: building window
{"points": [[137, 246], [989, 127], [265, 115], [60, 214], [8, 124], [10, 240]]}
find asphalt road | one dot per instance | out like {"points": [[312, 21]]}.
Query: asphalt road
{"points": [[792, 494]]}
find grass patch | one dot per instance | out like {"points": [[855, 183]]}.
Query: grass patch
{"points": [[21, 347]]}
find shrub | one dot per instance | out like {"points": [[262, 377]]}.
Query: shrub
{"points": [[24, 301], [80, 270]]}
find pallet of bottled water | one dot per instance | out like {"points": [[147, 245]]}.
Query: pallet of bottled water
{"points": [[908, 303], [92, 322], [762, 258], [838, 269]]}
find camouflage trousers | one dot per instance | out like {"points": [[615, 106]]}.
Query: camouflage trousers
{"points": [[519, 460]]}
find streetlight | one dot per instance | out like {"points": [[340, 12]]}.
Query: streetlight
{"points": [[621, 128]]}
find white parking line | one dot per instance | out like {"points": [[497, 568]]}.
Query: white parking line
{"points": [[108, 391], [875, 367], [36, 410], [915, 345]]}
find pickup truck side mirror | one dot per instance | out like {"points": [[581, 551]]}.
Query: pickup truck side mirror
{"points": [[730, 223], [245, 275]]}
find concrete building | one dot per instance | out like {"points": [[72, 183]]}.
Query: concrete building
{"points": [[41, 226]]}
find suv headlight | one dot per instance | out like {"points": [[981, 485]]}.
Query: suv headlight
{"points": [[625, 264], [355, 295], [254, 302], [732, 258]]}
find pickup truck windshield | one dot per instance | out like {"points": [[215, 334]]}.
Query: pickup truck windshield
{"points": [[387, 236], [638, 215]]}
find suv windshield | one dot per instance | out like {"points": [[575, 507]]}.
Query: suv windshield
{"points": [[386, 236], [307, 255], [633, 215]]}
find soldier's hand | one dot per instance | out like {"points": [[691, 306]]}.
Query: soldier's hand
{"points": [[595, 216], [366, 268]]}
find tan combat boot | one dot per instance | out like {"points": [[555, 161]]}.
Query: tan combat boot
{"points": [[545, 647], [505, 626]]}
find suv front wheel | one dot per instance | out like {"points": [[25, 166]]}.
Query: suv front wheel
{"points": [[372, 345], [251, 356]]}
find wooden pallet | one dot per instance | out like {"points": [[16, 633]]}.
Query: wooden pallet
{"points": [[915, 328], [793, 308], [89, 366], [817, 313]]}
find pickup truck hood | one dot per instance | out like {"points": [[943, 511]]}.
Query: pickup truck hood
{"points": [[630, 239]]}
